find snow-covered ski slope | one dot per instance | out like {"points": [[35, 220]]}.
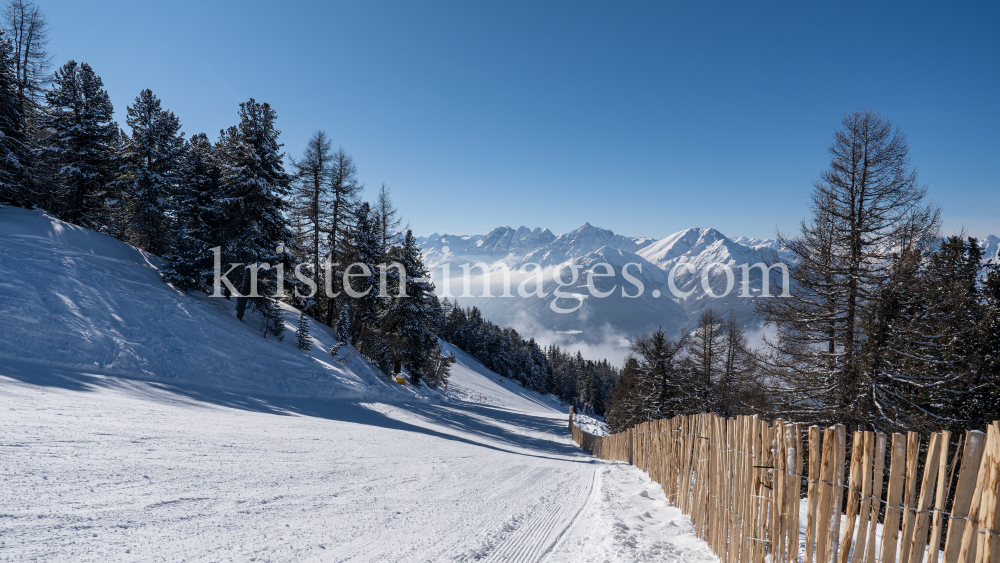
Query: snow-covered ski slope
{"points": [[141, 424]]}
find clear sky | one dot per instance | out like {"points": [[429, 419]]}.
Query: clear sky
{"points": [[644, 118]]}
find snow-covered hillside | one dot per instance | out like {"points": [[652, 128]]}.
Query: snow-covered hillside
{"points": [[78, 299], [138, 423], [991, 249]]}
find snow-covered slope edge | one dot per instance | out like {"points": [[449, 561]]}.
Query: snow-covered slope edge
{"points": [[70, 297], [471, 381]]}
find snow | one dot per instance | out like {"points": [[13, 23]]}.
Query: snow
{"points": [[643, 525], [138, 423], [100, 468], [74, 298], [591, 424], [991, 249]]}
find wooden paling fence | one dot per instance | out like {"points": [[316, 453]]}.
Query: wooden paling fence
{"points": [[742, 481]]}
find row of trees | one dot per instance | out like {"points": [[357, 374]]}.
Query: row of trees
{"points": [[293, 235], [62, 151], [888, 327], [586, 384], [711, 368]]}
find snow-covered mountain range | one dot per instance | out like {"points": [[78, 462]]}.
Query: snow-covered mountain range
{"points": [[641, 269]]}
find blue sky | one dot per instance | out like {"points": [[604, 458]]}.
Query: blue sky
{"points": [[644, 118]]}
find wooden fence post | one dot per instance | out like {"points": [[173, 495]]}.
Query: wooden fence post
{"points": [[972, 455], [812, 502]]}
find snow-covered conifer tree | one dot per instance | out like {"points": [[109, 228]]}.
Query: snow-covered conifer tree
{"points": [[150, 172], [79, 145], [411, 317], [15, 150], [366, 305], [198, 202], [255, 186], [302, 333], [343, 326]]}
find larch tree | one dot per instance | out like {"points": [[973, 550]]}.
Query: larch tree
{"points": [[29, 36], [740, 389], [387, 217], [345, 192], [867, 202], [705, 349], [437, 367], [200, 216], [311, 206]]}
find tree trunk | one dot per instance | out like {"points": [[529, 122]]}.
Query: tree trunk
{"points": [[241, 303]]}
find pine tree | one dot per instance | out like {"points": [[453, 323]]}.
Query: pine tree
{"points": [[366, 305], [15, 149], [585, 384], [665, 390], [343, 326], [117, 222], [411, 317], [626, 406], [79, 145], [199, 204], [302, 334], [255, 186], [924, 354], [150, 172], [987, 400]]}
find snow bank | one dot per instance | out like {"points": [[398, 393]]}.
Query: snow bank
{"points": [[590, 424], [473, 382]]}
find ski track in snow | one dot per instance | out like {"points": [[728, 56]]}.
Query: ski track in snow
{"points": [[106, 469]]}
